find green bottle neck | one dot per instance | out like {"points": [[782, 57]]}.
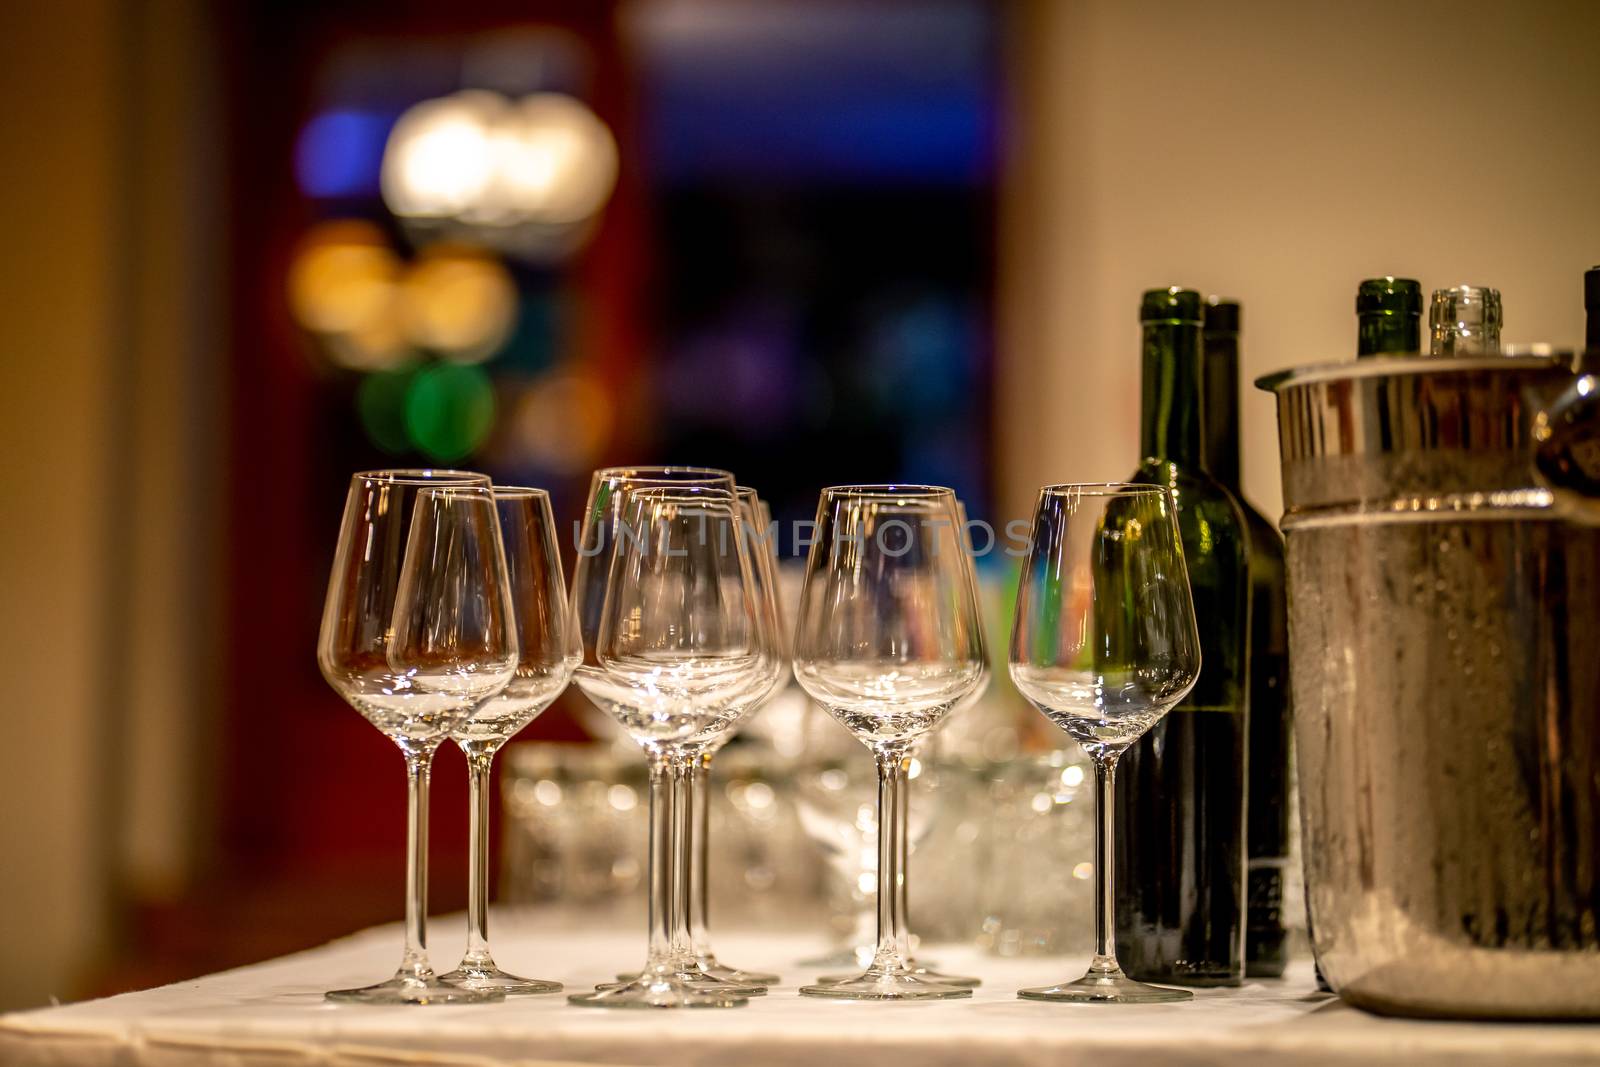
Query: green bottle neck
{"points": [[1169, 416], [1220, 428], [1380, 332]]}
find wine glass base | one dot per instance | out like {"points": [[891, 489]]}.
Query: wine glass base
{"points": [[692, 979], [960, 981], [708, 964], [658, 991], [408, 989], [1100, 988], [845, 957], [885, 985], [496, 980]]}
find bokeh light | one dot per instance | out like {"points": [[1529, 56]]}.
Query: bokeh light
{"points": [[449, 410], [381, 406], [546, 162], [344, 287], [563, 423], [459, 302], [340, 152], [557, 161], [440, 159]]}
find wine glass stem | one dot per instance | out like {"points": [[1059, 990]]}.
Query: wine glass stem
{"points": [[1105, 938], [479, 763], [893, 944], [662, 863], [902, 837], [682, 860], [419, 764], [696, 783]]}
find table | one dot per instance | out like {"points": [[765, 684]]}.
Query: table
{"points": [[273, 1015]]}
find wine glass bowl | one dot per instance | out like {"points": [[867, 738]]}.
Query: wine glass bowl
{"points": [[888, 638], [454, 635], [546, 628], [357, 618]]}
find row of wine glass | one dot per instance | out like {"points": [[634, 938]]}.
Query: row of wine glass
{"points": [[447, 616]]}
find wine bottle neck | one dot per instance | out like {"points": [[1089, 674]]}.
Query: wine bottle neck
{"points": [[1170, 408], [1220, 426], [1385, 332]]}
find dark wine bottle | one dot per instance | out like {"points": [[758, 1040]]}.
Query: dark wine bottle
{"points": [[1388, 316], [1180, 873], [1268, 740], [1591, 308]]}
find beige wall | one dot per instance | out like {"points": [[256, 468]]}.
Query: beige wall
{"points": [[109, 456], [1276, 152], [57, 345], [175, 450]]}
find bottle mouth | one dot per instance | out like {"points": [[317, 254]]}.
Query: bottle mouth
{"points": [[1172, 304], [1389, 296], [1463, 306]]}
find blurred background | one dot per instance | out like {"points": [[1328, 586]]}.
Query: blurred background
{"points": [[256, 246]]}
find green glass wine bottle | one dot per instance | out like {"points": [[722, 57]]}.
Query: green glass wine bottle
{"points": [[1388, 316], [1180, 875], [1268, 742]]}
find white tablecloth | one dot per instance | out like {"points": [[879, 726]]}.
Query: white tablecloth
{"points": [[273, 1015]]}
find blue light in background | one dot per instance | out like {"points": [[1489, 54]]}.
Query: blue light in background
{"points": [[340, 153], [802, 91]]}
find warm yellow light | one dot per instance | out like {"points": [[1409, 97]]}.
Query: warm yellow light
{"points": [[343, 286], [459, 302], [563, 423]]}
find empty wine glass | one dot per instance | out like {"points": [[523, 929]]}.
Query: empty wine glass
{"points": [[888, 641], [1104, 643], [416, 629], [548, 638], [923, 749], [756, 527], [681, 654], [603, 533]]}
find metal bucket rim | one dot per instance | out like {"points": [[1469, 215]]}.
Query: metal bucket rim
{"points": [[1404, 365]]}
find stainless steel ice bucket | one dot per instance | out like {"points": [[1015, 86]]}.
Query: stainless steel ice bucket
{"points": [[1444, 605]]}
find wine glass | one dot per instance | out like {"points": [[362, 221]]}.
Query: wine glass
{"points": [[416, 629], [603, 534], [903, 835], [681, 653], [548, 637], [756, 528], [1104, 643], [888, 643]]}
